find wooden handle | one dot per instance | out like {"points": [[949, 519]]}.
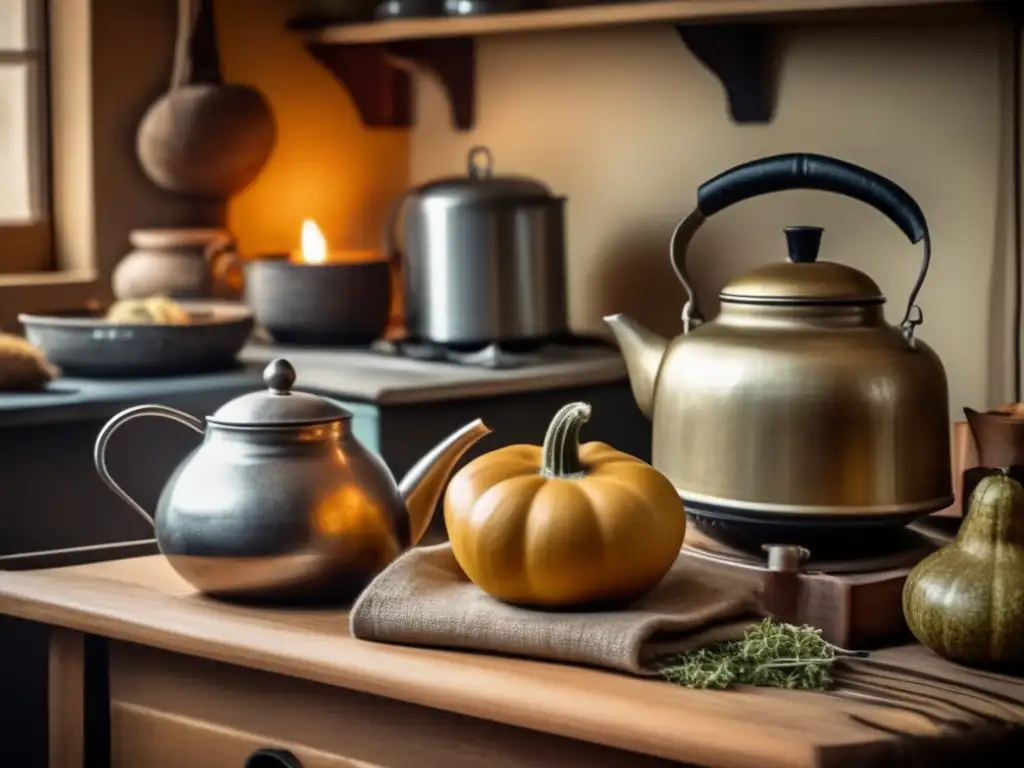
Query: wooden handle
{"points": [[196, 57]]}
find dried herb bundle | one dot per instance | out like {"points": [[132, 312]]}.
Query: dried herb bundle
{"points": [[771, 654]]}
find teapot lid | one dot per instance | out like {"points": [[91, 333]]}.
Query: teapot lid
{"points": [[279, 406], [802, 279]]}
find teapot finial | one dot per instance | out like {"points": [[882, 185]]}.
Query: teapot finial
{"points": [[279, 376], [803, 242]]}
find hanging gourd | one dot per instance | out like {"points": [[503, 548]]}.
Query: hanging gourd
{"points": [[966, 601], [563, 524]]}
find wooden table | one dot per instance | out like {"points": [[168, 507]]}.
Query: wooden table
{"points": [[144, 672]]}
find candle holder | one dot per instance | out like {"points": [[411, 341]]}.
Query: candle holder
{"points": [[331, 303]]}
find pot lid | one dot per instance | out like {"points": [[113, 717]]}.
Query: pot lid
{"points": [[802, 279], [480, 184], [279, 406]]}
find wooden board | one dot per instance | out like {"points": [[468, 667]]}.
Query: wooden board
{"points": [[142, 601], [852, 610], [170, 711], [589, 16], [856, 603]]}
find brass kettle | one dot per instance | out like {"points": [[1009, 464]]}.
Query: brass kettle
{"points": [[799, 402]]}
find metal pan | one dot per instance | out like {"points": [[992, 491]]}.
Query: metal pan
{"points": [[83, 344]]}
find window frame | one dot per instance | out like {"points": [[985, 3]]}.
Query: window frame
{"points": [[28, 246], [75, 276]]}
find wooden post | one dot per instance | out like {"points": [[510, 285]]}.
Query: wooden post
{"points": [[66, 698]]}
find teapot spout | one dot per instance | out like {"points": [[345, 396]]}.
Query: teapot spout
{"points": [[422, 485], [643, 351]]}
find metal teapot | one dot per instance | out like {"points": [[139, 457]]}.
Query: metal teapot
{"points": [[798, 403], [281, 502]]}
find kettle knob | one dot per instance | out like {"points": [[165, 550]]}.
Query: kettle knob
{"points": [[279, 376], [804, 243]]}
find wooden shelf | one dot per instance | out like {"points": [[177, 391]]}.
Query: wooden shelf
{"points": [[372, 59], [581, 17]]}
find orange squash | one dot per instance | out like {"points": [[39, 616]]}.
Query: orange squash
{"points": [[561, 524]]}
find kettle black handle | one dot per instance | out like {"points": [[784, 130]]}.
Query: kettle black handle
{"points": [[802, 171]]}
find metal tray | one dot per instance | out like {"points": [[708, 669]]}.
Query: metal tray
{"points": [[83, 344]]}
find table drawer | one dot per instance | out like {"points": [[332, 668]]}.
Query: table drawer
{"points": [[142, 737], [170, 710]]}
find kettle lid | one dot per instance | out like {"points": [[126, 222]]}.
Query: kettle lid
{"points": [[278, 406], [480, 184], [802, 279]]}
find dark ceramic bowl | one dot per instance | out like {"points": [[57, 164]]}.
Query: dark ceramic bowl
{"points": [[324, 304], [83, 344]]}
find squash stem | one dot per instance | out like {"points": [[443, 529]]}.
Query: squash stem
{"points": [[561, 454]]}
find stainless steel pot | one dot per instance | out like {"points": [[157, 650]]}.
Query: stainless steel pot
{"points": [[483, 257]]}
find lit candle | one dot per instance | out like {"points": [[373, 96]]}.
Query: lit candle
{"points": [[313, 249]]}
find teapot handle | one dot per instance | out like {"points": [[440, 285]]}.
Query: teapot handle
{"points": [[802, 171], [100, 449]]}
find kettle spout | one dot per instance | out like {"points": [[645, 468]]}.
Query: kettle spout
{"points": [[422, 485], [643, 351]]}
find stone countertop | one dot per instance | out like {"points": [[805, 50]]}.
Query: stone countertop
{"points": [[358, 376], [928, 710], [72, 399], [368, 376]]}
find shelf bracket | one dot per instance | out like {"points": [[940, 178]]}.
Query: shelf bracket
{"points": [[377, 76], [739, 55], [452, 61], [382, 92]]}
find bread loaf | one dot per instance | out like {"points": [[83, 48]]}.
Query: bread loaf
{"points": [[23, 368], [156, 310]]}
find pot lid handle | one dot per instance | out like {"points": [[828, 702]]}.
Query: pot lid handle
{"points": [[802, 171], [480, 162]]}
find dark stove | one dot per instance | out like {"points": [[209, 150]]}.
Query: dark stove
{"points": [[493, 355]]}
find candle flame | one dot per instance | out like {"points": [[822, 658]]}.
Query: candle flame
{"points": [[314, 245]]}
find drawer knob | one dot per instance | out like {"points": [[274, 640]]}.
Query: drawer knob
{"points": [[272, 758]]}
